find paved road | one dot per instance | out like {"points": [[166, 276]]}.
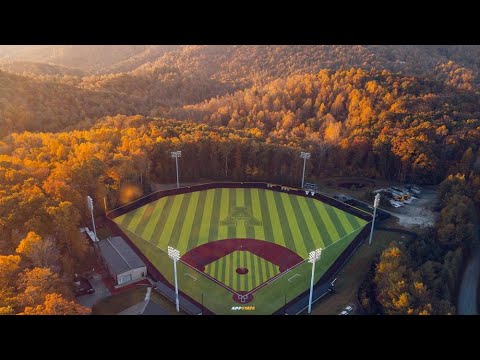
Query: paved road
{"points": [[467, 295]]}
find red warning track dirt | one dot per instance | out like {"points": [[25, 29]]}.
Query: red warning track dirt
{"points": [[204, 254]]}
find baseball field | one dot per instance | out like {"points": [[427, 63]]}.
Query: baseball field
{"points": [[240, 241]]}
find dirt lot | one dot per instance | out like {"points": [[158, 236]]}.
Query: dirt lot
{"points": [[420, 212], [417, 215]]}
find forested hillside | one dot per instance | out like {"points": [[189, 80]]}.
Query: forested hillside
{"points": [[91, 58], [154, 80], [31, 104], [357, 122], [33, 69], [245, 65]]}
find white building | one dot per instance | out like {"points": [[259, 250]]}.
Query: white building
{"points": [[123, 263]]}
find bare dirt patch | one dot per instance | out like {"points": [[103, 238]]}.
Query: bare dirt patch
{"points": [[420, 212]]}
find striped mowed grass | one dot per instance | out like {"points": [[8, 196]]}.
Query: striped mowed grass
{"points": [[188, 220], [259, 270]]}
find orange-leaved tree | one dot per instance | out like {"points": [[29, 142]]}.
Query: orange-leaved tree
{"points": [[55, 304]]}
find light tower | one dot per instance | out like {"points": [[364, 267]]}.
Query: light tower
{"points": [[174, 254], [313, 257], [90, 207], [176, 155], [304, 156], [376, 202]]}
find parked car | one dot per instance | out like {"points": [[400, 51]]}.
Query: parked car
{"points": [[413, 188], [82, 286], [349, 308], [395, 192], [395, 204], [343, 313]]}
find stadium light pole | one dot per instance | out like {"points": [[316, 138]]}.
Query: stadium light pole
{"points": [[176, 155], [313, 257], [304, 156], [174, 254], [376, 202], [90, 207]]}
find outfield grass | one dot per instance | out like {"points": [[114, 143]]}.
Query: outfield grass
{"points": [[189, 220]]}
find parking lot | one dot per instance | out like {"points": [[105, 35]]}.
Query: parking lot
{"points": [[101, 292], [420, 212]]}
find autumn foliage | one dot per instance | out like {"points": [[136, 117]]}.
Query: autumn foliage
{"points": [[55, 304], [236, 113]]}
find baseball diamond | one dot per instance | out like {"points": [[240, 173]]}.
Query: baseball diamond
{"points": [[256, 270], [278, 229]]}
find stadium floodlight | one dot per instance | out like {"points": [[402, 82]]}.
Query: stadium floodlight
{"points": [[376, 202], [304, 156], [313, 257], [90, 207], [174, 254], [176, 155]]}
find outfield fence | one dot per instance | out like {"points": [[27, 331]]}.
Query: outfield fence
{"points": [[121, 210]]}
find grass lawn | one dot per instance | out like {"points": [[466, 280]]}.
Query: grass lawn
{"points": [[117, 303], [352, 275], [189, 220]]}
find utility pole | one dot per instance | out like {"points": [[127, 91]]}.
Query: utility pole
{"points": [[176, 155], [90, 207]]}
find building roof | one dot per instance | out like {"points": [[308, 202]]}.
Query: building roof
{"points": [[119, 256]]}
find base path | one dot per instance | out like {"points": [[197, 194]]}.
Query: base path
{"points": [[202, 255]]}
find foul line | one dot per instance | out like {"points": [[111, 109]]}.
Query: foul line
{"points": [[293, 277], [193, 277], [343, 203]]}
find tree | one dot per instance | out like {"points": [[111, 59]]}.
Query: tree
{"points": [[332, 131], [34, 285], [467, 161], [41, 252], [455, 226], [338, 107], [9, 268], [6, 310], [66, 218], [55, 304]]}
